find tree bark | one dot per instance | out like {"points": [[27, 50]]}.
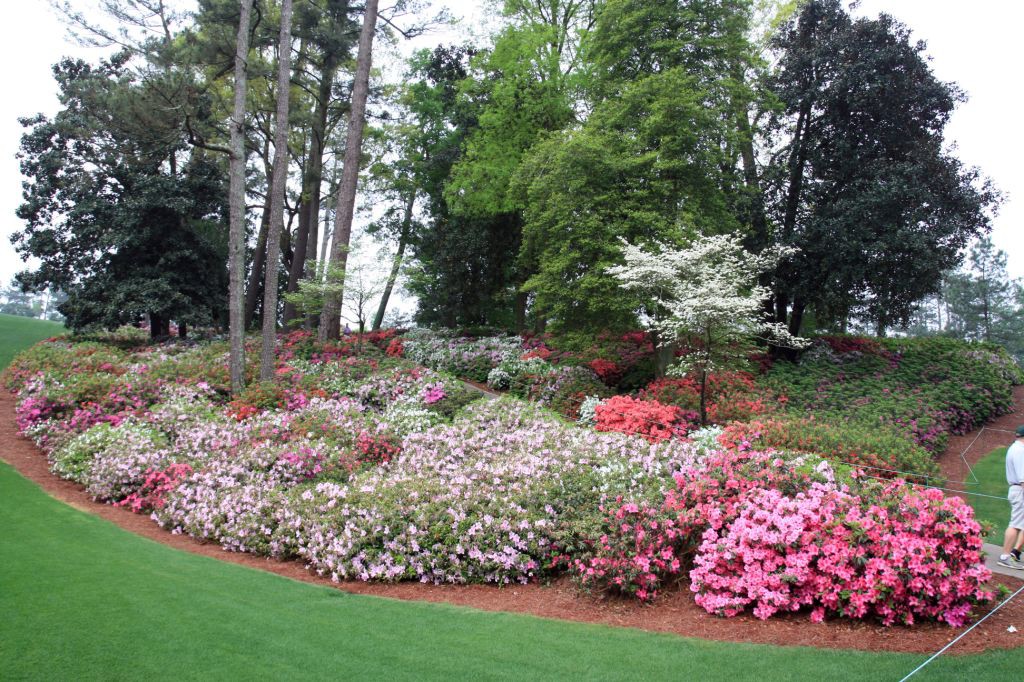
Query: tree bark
{"points": [[253, 290], [280, 174], [309, 215], [796, 320], [396, 264], [236, 202], [330, 318], [159, 326]]}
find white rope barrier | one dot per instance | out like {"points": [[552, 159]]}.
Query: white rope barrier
{"points": [[961, 636]]}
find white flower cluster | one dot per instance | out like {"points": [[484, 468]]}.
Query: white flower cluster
{"points": [[588, 410]]}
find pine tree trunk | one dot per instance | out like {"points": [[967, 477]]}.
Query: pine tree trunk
{"points": [[309, 217], [330, 319], [236, 202], [277, 193], [396, 264], [254, 289]]}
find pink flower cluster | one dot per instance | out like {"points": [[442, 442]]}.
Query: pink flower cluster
{"points": [[910, 554], [643, 547], [433, 393]]}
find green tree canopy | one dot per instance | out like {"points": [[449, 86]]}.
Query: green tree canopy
{"points": [[863, 185], [111, 225]]}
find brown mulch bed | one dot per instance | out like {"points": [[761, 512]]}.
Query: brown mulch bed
{"points": [[673, 613], [973, 446]]}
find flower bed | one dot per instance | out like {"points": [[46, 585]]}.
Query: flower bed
{"points": [[365, 466]]}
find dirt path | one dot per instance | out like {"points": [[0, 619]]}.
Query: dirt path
{"points": [[675, 613], [976, 444]]}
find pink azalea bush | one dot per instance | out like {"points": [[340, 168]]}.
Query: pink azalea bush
{"points": [[908, 554]]}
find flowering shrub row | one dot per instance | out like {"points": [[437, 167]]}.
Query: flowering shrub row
{"points": [[365, 466], [759, 536]]}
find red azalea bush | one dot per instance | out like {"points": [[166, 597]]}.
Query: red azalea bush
{"points": [[395, 349], [731, 396], [622, 361], [609, 372], [647, 418], [536, 351], [840, 343], [884, 451], [381, 338], [154, 489], [376, 448]]}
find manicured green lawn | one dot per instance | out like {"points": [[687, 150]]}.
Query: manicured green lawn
{"points": [[991, 475], [18, 333], [82, 599]]}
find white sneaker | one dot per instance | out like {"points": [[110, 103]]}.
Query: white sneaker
{"points": [[1009, 562]]}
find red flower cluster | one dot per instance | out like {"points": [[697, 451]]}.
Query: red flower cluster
{"points": [[375, 449], [395, 349], [609, 372], [158, 483], [647, 418], [541, 351], [381, 338]]}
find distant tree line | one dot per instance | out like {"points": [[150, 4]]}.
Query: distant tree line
{"points": [[976, 302], [42, 306], [206, 172]]}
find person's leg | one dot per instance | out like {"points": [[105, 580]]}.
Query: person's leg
{"points": [[1011, 538]]}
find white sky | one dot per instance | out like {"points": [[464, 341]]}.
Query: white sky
{"points": [[974, 45]]}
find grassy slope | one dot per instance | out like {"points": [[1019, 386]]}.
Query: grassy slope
{"points": [[18, 333], [82, 599]]}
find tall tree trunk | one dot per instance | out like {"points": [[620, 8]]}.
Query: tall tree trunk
{"points": [[284, 57], [253, 290], [519, 310], [309, 215], [236, 202], [159, 326], [796, 320], [797, 164], [396, 264], [330, 319]]}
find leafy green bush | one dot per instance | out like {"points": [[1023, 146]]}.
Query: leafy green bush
{"points": [[927, 389], [883, 451]]}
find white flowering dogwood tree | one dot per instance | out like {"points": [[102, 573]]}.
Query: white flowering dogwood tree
{"points": [[707, 296]]}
